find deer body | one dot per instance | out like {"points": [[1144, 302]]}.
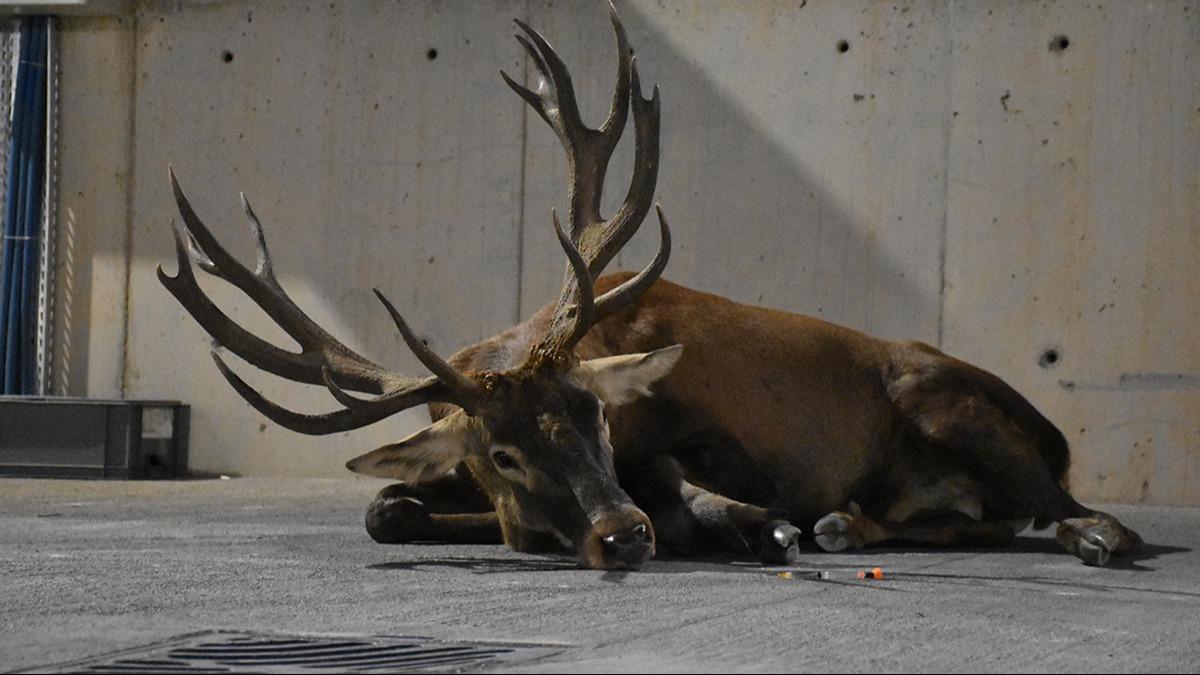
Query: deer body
{"points": [[769, 412], [762, 420]]}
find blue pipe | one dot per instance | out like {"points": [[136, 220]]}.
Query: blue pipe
{"points": [[8, 344], [36, 178], [13, 224], [26, 228], [22, 218]]}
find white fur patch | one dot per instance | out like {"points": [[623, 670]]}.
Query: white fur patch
{"points": [[1021, 524], [946, 493]]}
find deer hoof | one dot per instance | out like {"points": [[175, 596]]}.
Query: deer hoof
{"points": [[1095, 540], [835, 532], [780, 544], [1092, 553], [395, 519]]}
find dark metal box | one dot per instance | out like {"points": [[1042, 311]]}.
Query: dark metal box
{"points": [[58, 437]]}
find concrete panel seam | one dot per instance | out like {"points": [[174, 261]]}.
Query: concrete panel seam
{"points": [[131, 167], [948, 137], [517, 309]]}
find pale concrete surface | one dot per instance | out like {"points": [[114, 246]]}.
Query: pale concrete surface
{"points": [[90, 567]]}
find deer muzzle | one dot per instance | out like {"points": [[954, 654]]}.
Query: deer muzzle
{"points": [[622, 538]]}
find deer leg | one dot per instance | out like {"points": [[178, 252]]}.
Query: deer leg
{"points": [[689, 519], [842, 530], [1008, 457], [452, 493], [736, 526], [1096, 536], [445, 510], [525, 540]]}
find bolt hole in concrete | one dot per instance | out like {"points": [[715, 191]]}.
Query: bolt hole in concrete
{"points": [[1049, 358], [1059, 43], [431, 54], [227, 56], [843, 46]]}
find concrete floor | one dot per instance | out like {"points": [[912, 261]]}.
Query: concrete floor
{"points": [[92, 567]]}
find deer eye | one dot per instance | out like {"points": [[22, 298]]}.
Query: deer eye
{"points": [[504, 460]]}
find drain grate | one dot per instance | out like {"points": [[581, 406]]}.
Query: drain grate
{"points": [[229, 652]]}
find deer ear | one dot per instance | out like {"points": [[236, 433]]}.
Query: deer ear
{"points": [[430, 453], [620, 379]]}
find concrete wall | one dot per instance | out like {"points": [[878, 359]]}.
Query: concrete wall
{"points": [[954, 175]]}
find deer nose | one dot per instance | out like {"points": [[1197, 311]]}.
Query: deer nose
{"points": [[634, 536], [623, 540]]}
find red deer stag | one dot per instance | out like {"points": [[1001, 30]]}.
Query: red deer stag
{"points": [[546, 435]]}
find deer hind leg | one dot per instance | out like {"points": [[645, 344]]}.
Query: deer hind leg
{"points": [[689, 519], [448, 510], [842, 530], [1097, 536], [940, 508], [1008, 457]]}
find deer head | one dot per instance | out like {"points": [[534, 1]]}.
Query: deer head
{"points": [[535, 436]]}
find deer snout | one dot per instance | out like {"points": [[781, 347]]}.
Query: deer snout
{"points": [[623, 539]]}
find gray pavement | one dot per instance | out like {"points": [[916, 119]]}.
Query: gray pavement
{"points": [[92, 567]]}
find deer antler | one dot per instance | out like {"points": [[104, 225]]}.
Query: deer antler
{"points": [[594, 240], [591, 244], [322, 358]]}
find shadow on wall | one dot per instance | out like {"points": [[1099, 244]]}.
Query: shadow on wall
{"points": [[71, 304], [771, 177]]}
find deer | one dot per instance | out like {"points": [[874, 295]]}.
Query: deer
{"points": [[633, 414]]}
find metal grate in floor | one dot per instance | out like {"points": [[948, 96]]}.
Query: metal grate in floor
{"points": [[239, 652]]}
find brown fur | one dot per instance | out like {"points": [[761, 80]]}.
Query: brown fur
{"points": [[790, 412]]}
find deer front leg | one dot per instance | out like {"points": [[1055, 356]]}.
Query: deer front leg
{"points": [[689, 519], [403, 513], [735, 526]]}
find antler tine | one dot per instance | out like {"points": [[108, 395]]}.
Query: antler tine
{"points": [[317, 346], [572, 321], [588, 150], [322, 359], [468, 389], [633, 287], [346, 419], [265, 268], [556, 91], [618, 230], [198, 256], [261, 286], [619, 112], [245, 344]]}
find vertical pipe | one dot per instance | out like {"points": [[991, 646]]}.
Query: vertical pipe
{"points": [[18, 315], [49, 220], [35, 161], [28, 185], [10, 57], [8, 342]]}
